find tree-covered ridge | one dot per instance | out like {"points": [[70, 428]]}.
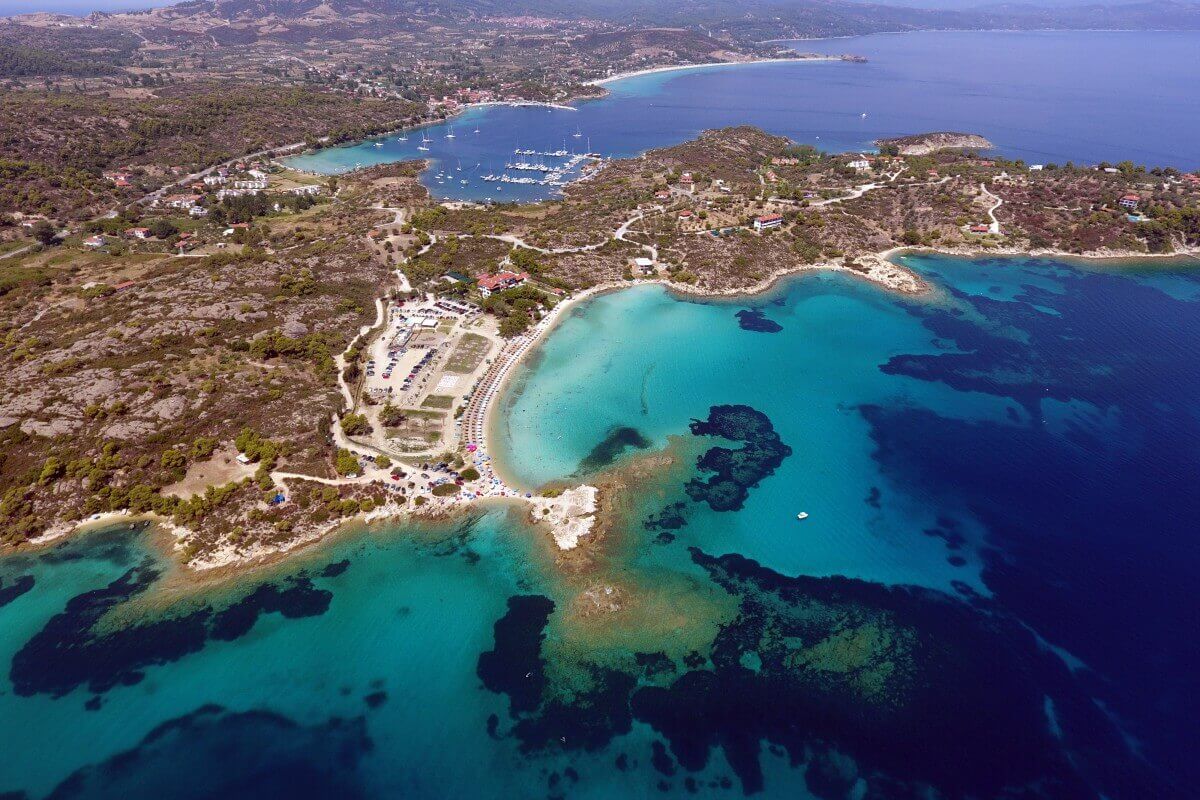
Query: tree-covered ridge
{"points": [[54, 147]]}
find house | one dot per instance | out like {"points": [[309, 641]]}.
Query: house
{"points": [[1111, 170], [198, 211], [94, 241], [181, 201], [214, 180], [685, 214], [1036, 167], [859, 165], [662, 194], [767, 221], [310, 189], [138, 233], [1130, 201], [123, 285], [256, 185], [644, 265], [686, 180], [499, 281], [980, 227]]}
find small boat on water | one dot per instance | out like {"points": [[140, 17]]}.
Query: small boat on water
{"points": [[802, 515], [379, 144]]}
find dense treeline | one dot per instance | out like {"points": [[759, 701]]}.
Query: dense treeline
{"points": [[53, 147], [27, 62]]}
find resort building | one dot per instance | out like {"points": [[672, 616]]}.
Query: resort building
{"points": [[500, 281], [767, 221]]}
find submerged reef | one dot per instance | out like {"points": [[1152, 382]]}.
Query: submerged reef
{"points": [[755, 320], [615, 443], [260, 755], [73, 648], [735, 472], [905, 689]]}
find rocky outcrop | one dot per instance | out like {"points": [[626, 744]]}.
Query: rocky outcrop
{"points": [[925, 143]]}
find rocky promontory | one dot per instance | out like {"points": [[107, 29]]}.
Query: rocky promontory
{"points": [[922, 144]]}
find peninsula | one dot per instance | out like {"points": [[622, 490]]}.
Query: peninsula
{"points": [[259, 367]]}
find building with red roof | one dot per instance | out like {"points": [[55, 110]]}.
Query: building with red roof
{"points": [[767, 221], [499, 281]]}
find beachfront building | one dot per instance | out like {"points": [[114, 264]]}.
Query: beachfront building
{"points": [[644, 265], [499, 281], [767, 221]]}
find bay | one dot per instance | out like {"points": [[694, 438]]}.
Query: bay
{"points": [[988, 594], [1041, 96]]}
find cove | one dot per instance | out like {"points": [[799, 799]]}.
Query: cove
{"points": [[1041, 96], [989, 595]]}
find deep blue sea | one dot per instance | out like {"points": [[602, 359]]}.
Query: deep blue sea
{"points": [[1082, 96], [992, 596]]}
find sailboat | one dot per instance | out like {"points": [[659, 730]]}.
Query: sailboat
{"points": [[450, 133], [424, 143], [402, 137], [578, 133], [477, 130]]}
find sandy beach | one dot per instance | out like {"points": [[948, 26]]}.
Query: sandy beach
{"points": [[680, 67]]}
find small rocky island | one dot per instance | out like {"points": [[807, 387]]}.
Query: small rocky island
{"points": [[925, 143]]}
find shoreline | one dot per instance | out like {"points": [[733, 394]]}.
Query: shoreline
{"points": [[680, 67], [227, 563]]}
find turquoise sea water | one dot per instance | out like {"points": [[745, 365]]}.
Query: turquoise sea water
{"points": [[1041, 96], [992, 592]]}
